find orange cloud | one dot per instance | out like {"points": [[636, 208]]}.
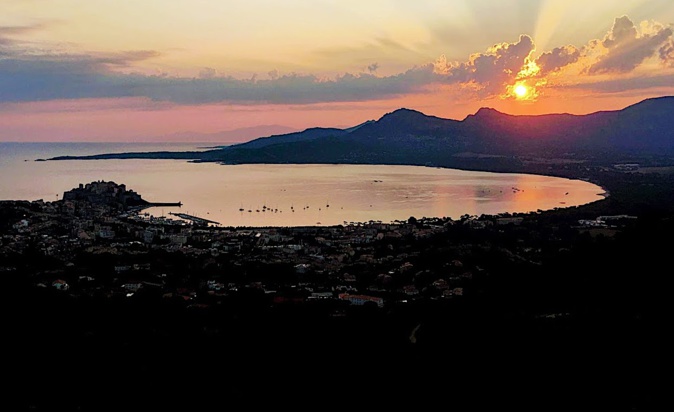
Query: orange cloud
{"points": [[491, 72], [626, 48]]}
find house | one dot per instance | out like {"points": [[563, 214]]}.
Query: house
{"points": [[60, 284], [106, 233], [148, 236], [360, 300], [132, 286], [321, 295], [347, 277], [509, 220], [410, 290], [448, 293], [178, 239], [21, 224], [302, 268], [406, 266], [441, 284], [626, 167], [213, 285], [141, 266]]}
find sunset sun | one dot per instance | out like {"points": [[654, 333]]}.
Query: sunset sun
{"points": [[520, 91]]}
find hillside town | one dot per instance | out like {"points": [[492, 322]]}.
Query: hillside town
{"points": [[126, 297], [94, 243]]}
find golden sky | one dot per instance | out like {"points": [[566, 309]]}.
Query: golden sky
{"points": [[106, 70]]}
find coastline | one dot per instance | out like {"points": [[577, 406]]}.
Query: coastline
{"points": [[333, 219]]}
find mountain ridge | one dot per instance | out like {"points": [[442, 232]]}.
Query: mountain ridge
{"points": [[407, 136]]}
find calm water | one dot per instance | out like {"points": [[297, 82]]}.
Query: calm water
{"points": [[284, 195]]}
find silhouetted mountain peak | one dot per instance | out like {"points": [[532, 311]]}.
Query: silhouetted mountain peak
{"points": [[488, 113], [402, 114], [659, 104]]}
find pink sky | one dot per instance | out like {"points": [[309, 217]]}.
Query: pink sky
{"points": [[99, 119], [123, 74]]}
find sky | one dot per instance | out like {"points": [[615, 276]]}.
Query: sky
{"points": [[157, 70]]}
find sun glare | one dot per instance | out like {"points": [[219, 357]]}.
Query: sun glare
{"points": [[520, 91]]}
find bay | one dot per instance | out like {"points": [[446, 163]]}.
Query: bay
{"points": [[284, 195]]}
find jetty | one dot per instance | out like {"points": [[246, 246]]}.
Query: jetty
{"points": [[165, 204], [195, 219]]}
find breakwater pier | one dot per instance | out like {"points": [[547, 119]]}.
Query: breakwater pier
{"points": [[197, 220], [165, 204]]}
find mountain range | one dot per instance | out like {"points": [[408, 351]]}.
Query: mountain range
{"points": [[488, 137]]}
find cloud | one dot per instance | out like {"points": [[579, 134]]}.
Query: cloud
{"points": [[122, 59], [10, 36], [90, 62], [10, 31], [626, 48], [619, 85], [7, 34], [666, 53], [207, 73], [86, 105], [557, 58], [39, 78], [28, 77], [490, 72], [34, 75]]}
